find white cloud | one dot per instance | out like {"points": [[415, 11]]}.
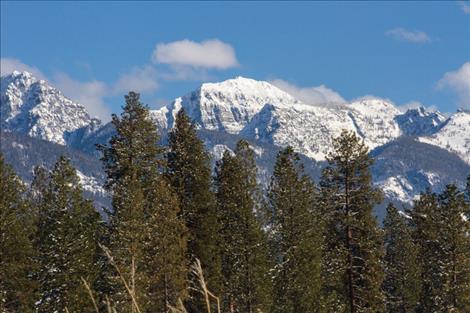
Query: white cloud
{"points": [[8, 65], [208, 54], [415, 105], [310, 95], [414, 36], [458, 81], [90, 94], [139, 79], [465, 5]]}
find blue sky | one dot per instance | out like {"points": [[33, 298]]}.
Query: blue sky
{"points": [[407, 52]]}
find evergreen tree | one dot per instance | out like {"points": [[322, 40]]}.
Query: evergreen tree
{"points": [[66, 243], [402, 269], [454, 242], [144, 237], [189, 172], [297, 237], [38, 186], [245, 263], [164, 253], [354, 274], [16, 249], [425, 235]]}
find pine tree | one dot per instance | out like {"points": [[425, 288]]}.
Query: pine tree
{"points": [[189, 172], [296, 237], [66, 243], [164, 252], [402, 269], [425, 235], [454, 240], [354, 274], [38, 186], [144, 239], [245, 262], [16, 250]]}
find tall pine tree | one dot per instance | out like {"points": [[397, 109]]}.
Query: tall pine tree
{"points": [[245, 264], [164, 252], [454, 239], [145, 228], [16, 249], [441, 231], [67, 245], [424, 223], [402, 269], [189, 171], [354, 248], [296, 231]]}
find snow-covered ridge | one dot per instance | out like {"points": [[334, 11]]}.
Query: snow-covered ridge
{"points": [[30, 106], [261, 111], [229, 105], [454, 135], [251, 108], [420, 122]]}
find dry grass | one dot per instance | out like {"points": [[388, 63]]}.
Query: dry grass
{"points": [[196, 270], [131, 292], [90, 293]]}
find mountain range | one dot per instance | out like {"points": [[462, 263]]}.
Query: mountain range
{"points": [[414, 150]]}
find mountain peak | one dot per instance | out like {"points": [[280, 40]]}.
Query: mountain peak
{"points": [[22, 73], [462, 110], [32, 107], [420, 122], [248, 87], [228, 105]]}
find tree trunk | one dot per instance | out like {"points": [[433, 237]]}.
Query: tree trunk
{"points": [[352, 299]]}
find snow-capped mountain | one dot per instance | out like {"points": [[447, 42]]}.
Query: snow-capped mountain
{"points": [[32, 107], [258, 110], [263, 114], [454, 135], [227, 106], [437, 148]]}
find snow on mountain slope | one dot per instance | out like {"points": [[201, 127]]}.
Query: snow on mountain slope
{"points": [[91, 184], [261, 111], [310, 129], [32, 107], [420, 122], [398, 188], [405, 167], [454, 135], [374, 121], [226, 106]]}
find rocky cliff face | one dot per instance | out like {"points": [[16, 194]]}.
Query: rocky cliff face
{"points": [[34, 108]]}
